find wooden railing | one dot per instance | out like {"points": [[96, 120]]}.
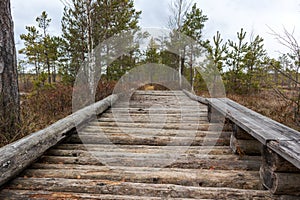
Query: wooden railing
{"points": [[254, 133], [15, 157]]}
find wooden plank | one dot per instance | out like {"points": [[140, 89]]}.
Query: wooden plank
{"points": [[276, 163], [189, 115], [18, 155], [153, 140], [289, 150], [215, 150], [265, 121], [137, 189], [154, 132], [178, 110], [189, 159], [154, 120], [185, 177], [211, 162], [195, 97], [280, 182], [42, 195], [178, 126], [160, 152], [250, 125]]}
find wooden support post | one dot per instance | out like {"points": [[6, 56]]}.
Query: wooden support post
{"points": [[276, 163], [244, 144], [215, 116], [228, 125], [278, 175]]}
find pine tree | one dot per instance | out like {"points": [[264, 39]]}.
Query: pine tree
{"points": [[41, 49], [193, 27], [32, 49], [216, 60], [254, 63], [235, 60], [87, 24]]}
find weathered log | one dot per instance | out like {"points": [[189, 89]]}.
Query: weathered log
{"points": [[213, 150], [276, 163], [42, 195], [189, 159], [288, 149], [279, 182], [159, 120], [137, 189], [167, 103], [145, 132], [186, 177], [245, 147], [190, 115], [18, 155], [178, 126], [195, 97], [146, 140], [212, 162]]}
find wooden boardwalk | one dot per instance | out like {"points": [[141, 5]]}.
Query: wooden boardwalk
{"points": [[154, 154]]}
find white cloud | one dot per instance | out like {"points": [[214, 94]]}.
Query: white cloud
{"points": [[227, 16]]}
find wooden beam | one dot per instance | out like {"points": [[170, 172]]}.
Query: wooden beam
{"points": [[195, 97], [186, 177], [276, 163], [151, 140], [167, 191], [245, 147], [280, 182], [17, 156]]}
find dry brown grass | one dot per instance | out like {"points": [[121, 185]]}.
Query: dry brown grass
{"points": [[45, 106], [268, 103]]}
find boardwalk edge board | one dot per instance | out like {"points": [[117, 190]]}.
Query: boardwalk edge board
{"points": [[17, 156], [195, 97], [253, 133]]}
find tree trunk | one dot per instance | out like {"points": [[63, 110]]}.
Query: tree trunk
{"points": [[9, 92]]}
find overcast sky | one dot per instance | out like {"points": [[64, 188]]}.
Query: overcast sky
{"points": [[227, 16]]}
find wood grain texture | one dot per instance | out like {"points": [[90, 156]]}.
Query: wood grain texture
{"points": [[140, 160], [280, 138], [280, 182], [17, 156]]}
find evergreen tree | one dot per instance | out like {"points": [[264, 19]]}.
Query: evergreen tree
{"points": [[247, 62], [32, 49], [254, 63], [41, 49], [74, 28], [88, 23], [216, 59], [235, 60], [193, 27], [152, 54]]}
